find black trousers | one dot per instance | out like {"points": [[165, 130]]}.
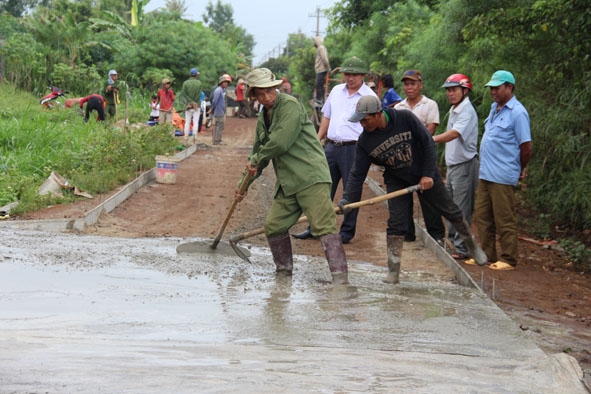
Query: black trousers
{"points": [[437, 197], [433, 221], [319, 86], [95, 104]]}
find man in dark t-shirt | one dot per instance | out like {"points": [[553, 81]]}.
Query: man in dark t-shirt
{"points": [[398, 141]]}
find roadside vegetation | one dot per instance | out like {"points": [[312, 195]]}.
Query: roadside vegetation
{"points": [[92, 156], [545, 43]]}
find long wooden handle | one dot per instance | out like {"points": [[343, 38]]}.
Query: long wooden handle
{"points": [[242, 189], [371, 201]]}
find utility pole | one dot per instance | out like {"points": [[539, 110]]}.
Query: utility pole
{"points": [[317, 15]]}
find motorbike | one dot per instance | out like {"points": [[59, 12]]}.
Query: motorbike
{"points": [[49, 101]]}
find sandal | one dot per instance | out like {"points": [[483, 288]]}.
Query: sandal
{"points": [[460, 256], [501, 266], [470, 262]]}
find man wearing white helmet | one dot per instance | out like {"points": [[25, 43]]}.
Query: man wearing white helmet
{"points": [[111, 94]]}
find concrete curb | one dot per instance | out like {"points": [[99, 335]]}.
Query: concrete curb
{"points": [[462, 276], [92, 217]]}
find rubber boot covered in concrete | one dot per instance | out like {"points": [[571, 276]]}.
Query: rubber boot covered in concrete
{"points": [[335, 255], [463, 228], [394, 251], [282, 255]]}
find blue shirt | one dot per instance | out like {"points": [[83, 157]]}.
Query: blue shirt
{"points": [[218, 104], [390, 97], [504, 132]]}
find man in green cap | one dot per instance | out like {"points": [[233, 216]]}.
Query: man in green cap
{"points": [[505, 151], [341, 135], [285, 136]]}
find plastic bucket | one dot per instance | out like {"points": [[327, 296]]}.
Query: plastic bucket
{"points": [[166, 167]]}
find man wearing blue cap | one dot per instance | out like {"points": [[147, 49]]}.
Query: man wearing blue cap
{"points": [[505, 151], [190, 97]]}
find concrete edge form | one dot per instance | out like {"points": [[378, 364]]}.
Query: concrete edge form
{"points": [[92, 217], [462, 276]]}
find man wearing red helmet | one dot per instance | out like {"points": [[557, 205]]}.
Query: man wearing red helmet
{"points": [[461, 153]]}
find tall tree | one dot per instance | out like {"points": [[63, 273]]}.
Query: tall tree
{"points": [[179, 7], [220, 19], [17, 8], [218, 16]]}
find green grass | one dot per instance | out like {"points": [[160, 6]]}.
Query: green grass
{"points": [[95, 156]]}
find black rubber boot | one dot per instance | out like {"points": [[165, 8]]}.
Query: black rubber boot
{"points": [[394, 251], [463, 228], [335, 255], [282, 256], [304, 234]]}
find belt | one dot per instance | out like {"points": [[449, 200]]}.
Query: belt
{"points": [[341, 143]]}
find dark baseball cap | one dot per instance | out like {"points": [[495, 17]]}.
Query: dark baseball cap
{"points": [[369, 104]]}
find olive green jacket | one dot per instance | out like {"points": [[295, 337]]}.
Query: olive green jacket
{"points": [[111, 97], [190, 95], [292, 144]]}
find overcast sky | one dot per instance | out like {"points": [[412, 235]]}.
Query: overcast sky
{"points": [[269, 21]]}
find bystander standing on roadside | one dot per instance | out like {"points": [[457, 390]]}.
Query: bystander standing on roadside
{"points": [[241, 98], [154, 109], [505, 151], [166, 101], [428, 113], [461, 153], [190, 98], [285, 135], [218, 108]]}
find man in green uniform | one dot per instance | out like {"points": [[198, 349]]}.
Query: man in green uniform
{"points": [[285, 136]]}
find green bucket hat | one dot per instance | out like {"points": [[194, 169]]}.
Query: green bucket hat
{"points": [[261, 78], [500, 77], [354, 65]]}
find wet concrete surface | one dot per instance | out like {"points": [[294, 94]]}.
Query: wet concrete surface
{"points": [[87, 314]]}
